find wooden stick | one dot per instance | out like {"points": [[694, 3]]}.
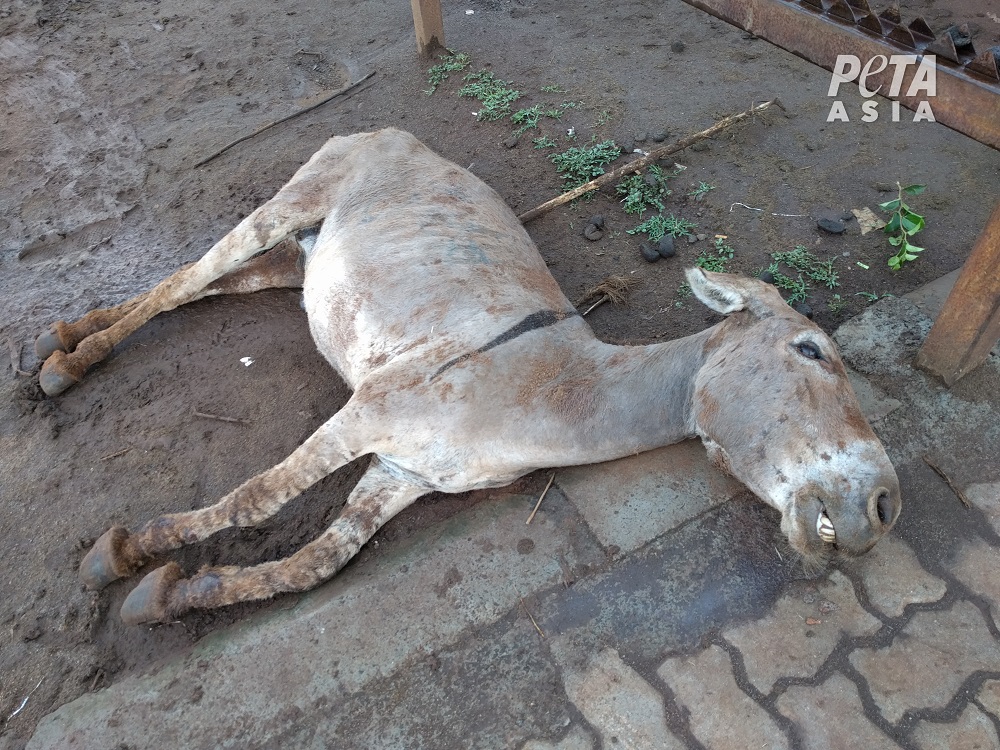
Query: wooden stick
{"points": [[940, 472], [122, 452], [643, 162], [597, 304], [234, 420], [540, 498], [310, 108], [531, 618]]}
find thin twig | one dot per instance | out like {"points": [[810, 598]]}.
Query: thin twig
{"points": [[318, 55], [540, 498], [310, 108], [599, 302], [794, 216], [220, 418], [122, 452], [643, 162], [940, 472], [24, 703], [531, 618]]}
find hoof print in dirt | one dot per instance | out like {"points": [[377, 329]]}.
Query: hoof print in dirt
{"points": [[665, 247], [833, 226], [803, 309], [649, 253], [593, 232], [767, 277]]}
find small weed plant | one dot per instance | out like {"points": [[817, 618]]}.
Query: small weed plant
{"points": [[527, 118], [451, 62], [495, 98], [806, 263], [580, 164], [903, 224], [656, 226], [702, 189], [643, 191], [724, 253], [807, 268], [836, 304], [543, 142]]}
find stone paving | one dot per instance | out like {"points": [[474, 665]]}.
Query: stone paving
{"points": [[648, 605]]}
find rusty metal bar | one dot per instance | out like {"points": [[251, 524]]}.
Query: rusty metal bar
{"points": [[429, 26], [969, 324], [967, 97]]}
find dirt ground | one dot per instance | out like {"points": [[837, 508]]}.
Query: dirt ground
{"points": [[108, 106]]}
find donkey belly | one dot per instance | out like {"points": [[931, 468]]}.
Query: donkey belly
{"points": [[419, 254]]}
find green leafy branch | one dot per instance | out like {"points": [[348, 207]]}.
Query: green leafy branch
{"points": [[903, 224]]}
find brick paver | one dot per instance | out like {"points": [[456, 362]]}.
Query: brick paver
{"points": [[801, 632], [576, 739], [989, 697], [829, 716], [972, 731], [630, 502], [925, 667], [722, 716], [986, 497], [978, 566], [893, 578], [623, 707]]}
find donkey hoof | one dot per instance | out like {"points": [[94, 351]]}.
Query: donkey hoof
{"points": [[48, 343], [97, 569], [55, 377], [150, 600]]}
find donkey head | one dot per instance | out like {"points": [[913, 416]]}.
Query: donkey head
{"points": [[774, 407]]}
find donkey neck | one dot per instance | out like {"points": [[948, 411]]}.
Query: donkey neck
{"points": [[642, 396]]}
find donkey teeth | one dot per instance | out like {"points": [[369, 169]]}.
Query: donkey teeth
{"points": [[824, 527]]}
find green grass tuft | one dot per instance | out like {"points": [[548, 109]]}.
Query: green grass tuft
{"points": [[579, 165]]}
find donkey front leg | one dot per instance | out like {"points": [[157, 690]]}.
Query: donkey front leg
{"points": [[165, 594], [119, 553]]}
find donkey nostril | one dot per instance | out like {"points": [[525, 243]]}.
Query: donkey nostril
{"points": [[883, 506]]}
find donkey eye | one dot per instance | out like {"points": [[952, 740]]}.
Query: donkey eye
{"points": [[809, 350]]}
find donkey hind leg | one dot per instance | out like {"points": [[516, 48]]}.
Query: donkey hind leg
{"points": [[279, 267], [165, 594], [303, 202], [119, 553]]}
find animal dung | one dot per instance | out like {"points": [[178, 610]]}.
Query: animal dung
{"points": [[649, 253], [665, 247]]}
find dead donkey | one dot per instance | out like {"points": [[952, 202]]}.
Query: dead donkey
{"points": [[470, 368]]}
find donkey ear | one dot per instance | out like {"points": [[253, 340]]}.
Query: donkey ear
{"points": [[721, 292]]}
